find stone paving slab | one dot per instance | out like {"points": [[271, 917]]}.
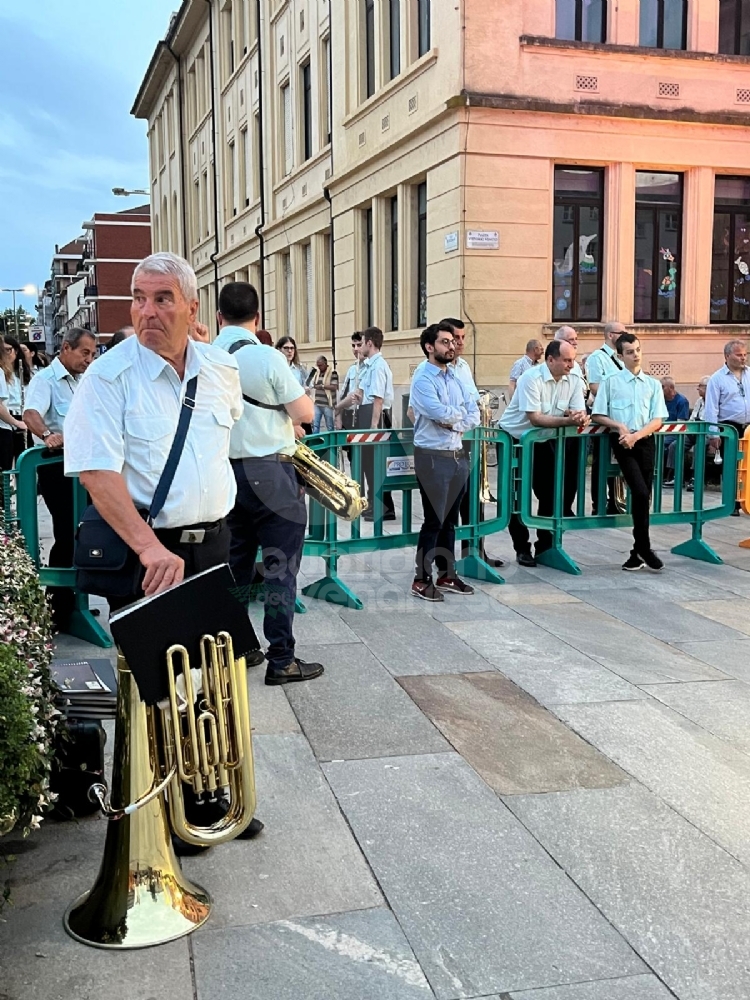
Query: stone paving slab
{"points": [[622, 648], [512, 742], [482, 905], [414, 644], [731, 656], [321, 628], [631, 988], [347, 956], [732, 613], [669, 623], [730, 578], [551, 671], [357, 709], [477, 607], [721, 707], [305, 862], [702, 777], [515, 595], [678, 898], [269, 709]]}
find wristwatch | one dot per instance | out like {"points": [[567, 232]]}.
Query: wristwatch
{"points": [[46, 434]]}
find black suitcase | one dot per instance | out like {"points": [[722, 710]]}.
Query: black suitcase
{"points": [[78, 765]]}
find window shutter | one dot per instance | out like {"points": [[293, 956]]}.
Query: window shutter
{"points": [[288, 158], [309, 292]]}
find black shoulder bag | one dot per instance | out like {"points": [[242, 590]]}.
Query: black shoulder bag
{"points": [[105, 564]]}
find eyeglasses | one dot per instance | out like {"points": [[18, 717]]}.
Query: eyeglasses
{"points": [[287, 347]]}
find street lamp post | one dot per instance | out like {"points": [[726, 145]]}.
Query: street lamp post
{"points": [[26, 290], [124, 193]]}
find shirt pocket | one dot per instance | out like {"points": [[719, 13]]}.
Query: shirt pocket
{"points": [[147, 442]]}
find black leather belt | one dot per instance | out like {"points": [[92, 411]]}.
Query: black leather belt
{"points": [[459, 453], [261, 458], [192, 534]]}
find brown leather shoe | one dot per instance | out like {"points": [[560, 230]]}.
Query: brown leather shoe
{"points": [[297, 670]]}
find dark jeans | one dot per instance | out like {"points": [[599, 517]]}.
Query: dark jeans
{"points": [[269, 514], [57, 492], [368, 468], [442, 483], [637, 467], [597, 443], [543, 485], [213, 551]]}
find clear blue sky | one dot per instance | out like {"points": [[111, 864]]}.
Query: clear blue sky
{"points": [[68, 76]]}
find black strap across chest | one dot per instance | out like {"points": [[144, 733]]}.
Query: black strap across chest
{"points": [[249, 399]]}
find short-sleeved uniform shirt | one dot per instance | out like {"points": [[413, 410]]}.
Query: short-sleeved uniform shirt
{"points": [[537, 391], [632, 400]]}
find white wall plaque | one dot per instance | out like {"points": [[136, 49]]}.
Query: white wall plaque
{"points": [[482, 239]]}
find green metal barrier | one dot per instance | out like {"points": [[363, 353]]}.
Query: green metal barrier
{"points": [[393, 468], [83, 625], [694, 514]]}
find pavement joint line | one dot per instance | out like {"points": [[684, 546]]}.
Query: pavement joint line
{"points": [[191, 958]]}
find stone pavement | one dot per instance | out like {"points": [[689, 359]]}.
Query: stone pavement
{"points": [[538, 793]]}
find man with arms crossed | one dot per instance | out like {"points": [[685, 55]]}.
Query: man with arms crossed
{"points": [[632, 405]]}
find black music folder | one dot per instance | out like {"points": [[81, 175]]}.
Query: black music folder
{"points": [[204, 604]]}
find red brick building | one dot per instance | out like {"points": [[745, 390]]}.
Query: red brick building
{"points": [[117, 242]]}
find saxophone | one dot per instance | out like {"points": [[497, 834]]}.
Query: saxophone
{"points": [[328, 485]]}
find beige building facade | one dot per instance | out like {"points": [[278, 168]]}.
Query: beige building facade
{"points": [[518, 164]]}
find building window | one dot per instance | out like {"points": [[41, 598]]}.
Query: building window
{"points": [[369, 261], [192, 98], [734, 27], [581, 20], [325, 92], [577, 244], [393, 262], [369, 48], [227, 25], [286, 133], [730, 267], [658, 247], [663, 24], [286, 267], [394, 37], [306, 111], [309, 292], [196, 228], [244, 154], [231, 199], [422, 254], [205, 199], [423, 26], [256, 157]]}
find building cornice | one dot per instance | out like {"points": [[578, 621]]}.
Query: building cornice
{"points": [[606, 48], [182, 29], [600, 109]]}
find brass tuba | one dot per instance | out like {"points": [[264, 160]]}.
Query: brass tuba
{"points": [[488, 401], [200, 737], [332, 488]]}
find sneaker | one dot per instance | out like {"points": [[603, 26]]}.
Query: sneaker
{"points": [[426, 591], [525, 559], [652, 561], [669, 481], [633, 563], [690, 487], [453, 585]]}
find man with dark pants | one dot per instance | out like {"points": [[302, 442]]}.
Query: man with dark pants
{"points": [[443, 409], [48, 398], [269, 513], [728, 395], [375, 399], [547, 395], [632, 405], [600, 365], [120, 429]]}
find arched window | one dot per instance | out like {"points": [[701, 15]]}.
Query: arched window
{"points": [[664, 24], [581, 20]]}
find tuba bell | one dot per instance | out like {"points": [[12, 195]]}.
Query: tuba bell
{"points": [[488, 401], [332, 488], [199, 739]]}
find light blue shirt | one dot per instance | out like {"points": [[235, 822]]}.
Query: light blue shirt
{"points": [[299, 373], [439, 395], [351, 381], [50, 393], [519, 367], [632, 400], [462, 370], [727, 397], [600, 364], [376, 381], [537, 391], [265, 375], [231, 334]]}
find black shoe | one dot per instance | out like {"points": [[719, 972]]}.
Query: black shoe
{"points": [[612, 508], [184, 850], [251, 831], [525, 559], [633, 563], [453, 585], [388, 515], [652, 561], [297, 670], [254, 658], [425, 590], [736, 512]]}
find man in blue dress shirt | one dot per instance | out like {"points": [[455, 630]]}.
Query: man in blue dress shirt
{"points": [[728, 395], [443, 409], [678, 408]]}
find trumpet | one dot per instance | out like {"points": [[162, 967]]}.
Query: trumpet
{"points": [[199, 739]]}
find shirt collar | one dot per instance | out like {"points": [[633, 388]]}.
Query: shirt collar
{"points": [[155, 364], [371, 361], [547, 375], [60, 370], [608, 350], [448, 372], [641, 376]]}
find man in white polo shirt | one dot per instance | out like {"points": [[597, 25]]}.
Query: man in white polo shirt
{"points": [[547, 395]]}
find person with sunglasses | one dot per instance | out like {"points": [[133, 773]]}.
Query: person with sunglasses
{"points": [[728, 396]]}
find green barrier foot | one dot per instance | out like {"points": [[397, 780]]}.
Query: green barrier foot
{"points": [[84, 626], [333, 590], [475, 568], [696, 548], [558, 558], [299, 607]]}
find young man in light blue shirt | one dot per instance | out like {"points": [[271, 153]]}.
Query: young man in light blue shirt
{"points": [[632, 405], [375, 398], [443, 409]]}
